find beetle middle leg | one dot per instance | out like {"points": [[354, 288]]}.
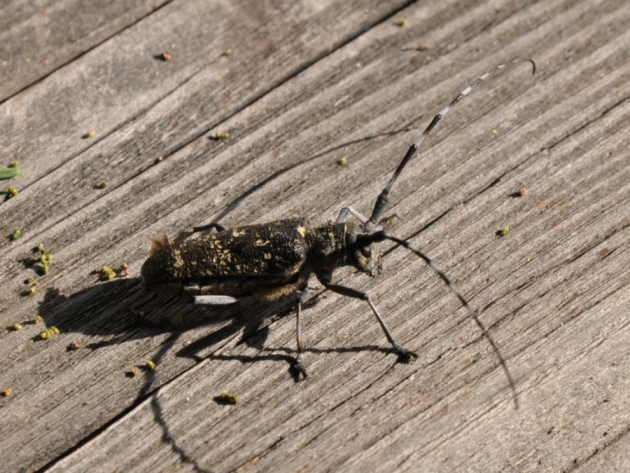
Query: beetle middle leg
{"points": [[383, 224], [403, 354]]}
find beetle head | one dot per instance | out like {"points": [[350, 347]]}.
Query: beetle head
{"points": [[366, 251], [366, 255]]}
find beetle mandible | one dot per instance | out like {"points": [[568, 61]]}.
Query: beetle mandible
{"points": [[275, 260]]}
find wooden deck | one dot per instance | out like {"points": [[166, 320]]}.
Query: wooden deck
{"points": [[298, 86]]}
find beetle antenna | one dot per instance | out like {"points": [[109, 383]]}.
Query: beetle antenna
{"points": [[381, 235], [381, 201]]}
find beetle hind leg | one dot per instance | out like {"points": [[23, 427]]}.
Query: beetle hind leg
{"points": [[299, 365]]}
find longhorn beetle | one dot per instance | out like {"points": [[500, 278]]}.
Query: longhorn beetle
{"points": [[275, 260]]}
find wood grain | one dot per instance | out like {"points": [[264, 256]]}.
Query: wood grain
{"points": [[306, 84]]}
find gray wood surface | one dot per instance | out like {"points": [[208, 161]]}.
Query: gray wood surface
{"points": [[303, 85]]}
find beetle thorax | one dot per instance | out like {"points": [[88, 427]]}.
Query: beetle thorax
{"points": [[334, 245]]}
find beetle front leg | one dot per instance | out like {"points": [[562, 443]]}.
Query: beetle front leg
{"points": [[403, 354], [343, 215], [214, 225]]}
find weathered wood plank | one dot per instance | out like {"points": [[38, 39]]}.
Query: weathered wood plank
{"points": [[37, 38], [111, 87], [554, 291]]}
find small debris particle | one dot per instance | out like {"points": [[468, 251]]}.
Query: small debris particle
{"points": [[403, 22], [227, 399], [38, 319], [159, 159], [16, 326], [12, 191], [30, 280], [150, 364], [504, 231], [107, 273], [419, 47], [343, 161], [7, 392], [103, 185], [31, 291], [74, 346], [519, 193], [227, 53], [16, 234], [221, 135], [132, 372], [165, 56], [8, 173], [125, 269], [89, 134], [44, 259], [14, 164], [49, 333]]}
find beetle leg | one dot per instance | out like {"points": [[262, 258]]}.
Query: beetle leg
{"points": [[214, 225], [343, 215], [215, 300], [299, 367], [403, 354]]}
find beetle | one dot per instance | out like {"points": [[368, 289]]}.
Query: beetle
{"points": [[275, 260]]}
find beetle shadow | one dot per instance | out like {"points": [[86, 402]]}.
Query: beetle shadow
{"points": [[121, 310], [289, 356]]}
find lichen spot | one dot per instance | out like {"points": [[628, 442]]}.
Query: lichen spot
{"points": [[179, 261], [261, 242], [301, 231], [267, 256], [236, 233]]}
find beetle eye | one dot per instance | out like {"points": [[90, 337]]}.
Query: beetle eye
{"points": [[365, 251]]}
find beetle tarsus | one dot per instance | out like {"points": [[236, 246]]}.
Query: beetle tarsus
{"points": [[404, 355]]}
